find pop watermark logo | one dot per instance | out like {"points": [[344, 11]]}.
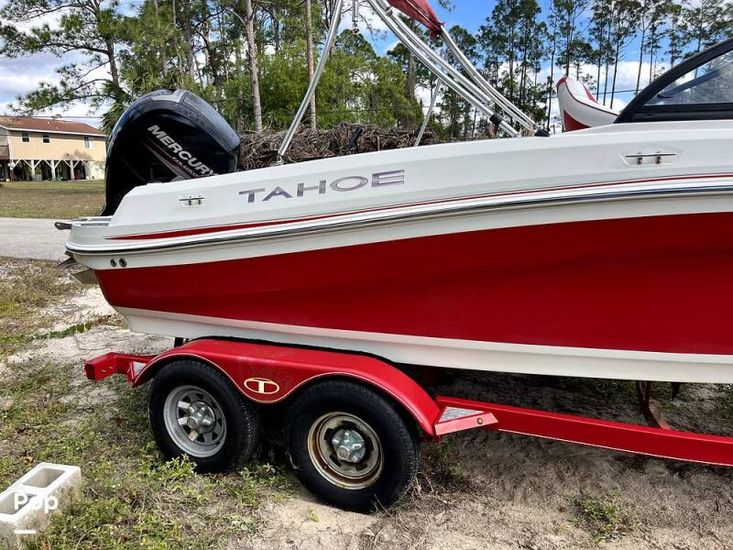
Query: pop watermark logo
{"points": [[47, 503], [33, 502]]}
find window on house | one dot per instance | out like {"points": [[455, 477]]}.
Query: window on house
{"points": [[25, 137], [46, 138], [87, 142]]}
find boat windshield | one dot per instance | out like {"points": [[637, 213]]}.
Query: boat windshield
{"points": [[709, 83]]}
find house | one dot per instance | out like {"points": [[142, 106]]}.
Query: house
{"points": [[50, 149]]}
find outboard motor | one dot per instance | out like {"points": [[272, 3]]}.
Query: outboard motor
{"points": [[163, 136]]}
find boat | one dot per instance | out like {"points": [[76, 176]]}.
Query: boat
{"points": [[579, 109], [603, 252]]}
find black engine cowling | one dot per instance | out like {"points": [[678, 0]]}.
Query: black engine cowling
{"points": [[167, 135]]}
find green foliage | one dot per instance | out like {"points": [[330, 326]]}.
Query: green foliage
{"points": [[604, 518], [115, 51], [513, 40], [357, 86], [89, 29]]}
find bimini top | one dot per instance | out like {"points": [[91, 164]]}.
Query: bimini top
{"points": [[700, 88]]}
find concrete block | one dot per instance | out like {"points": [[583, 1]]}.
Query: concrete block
{"points": [[25, 506]]}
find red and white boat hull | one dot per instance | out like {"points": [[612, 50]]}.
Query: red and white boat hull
{"points": [[626, 279], [594, 298]]}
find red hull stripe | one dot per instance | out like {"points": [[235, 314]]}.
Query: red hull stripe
{"points": [[569, 124], [653, 284], [222, 228]]}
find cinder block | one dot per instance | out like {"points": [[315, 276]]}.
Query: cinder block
{"points": [[26, 505]]}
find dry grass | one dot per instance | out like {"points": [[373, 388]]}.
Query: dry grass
{"points": [[131, 498], [604, 518], [57, 200], [260, 150], [26, 287]]}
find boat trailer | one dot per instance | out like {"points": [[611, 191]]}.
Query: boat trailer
{"points": [[266, 374]]}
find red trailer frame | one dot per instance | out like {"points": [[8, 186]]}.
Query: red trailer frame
{"points": [[269, 373]]}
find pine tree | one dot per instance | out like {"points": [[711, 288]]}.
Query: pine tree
{"points": [[708, 22], [88, 38], [676, 34], [651, 15], [621, 33], [598, 35], [572, 45]]}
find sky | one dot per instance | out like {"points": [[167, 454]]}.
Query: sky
{"points": [[18, 76]]}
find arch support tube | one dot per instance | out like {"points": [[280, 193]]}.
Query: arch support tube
{"points": [[449, 75]]}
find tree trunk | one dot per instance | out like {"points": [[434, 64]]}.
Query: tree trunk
{"points": [[651, 55], [551, 84], [523, 75], [276, 25], [512, 50], [411, 80], [598, 73], [111, 54], [113, 71], [249, 34], [641, 60], [605, 74], [309, 47], [615, 71], [188, 37]]}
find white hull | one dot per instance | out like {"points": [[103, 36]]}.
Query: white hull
{"points": [[197, 258], [452, 353]]}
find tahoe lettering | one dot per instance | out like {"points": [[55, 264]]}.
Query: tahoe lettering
{"points": [[339, 185]]}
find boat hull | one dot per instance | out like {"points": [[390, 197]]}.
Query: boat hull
{"points": [[647, 297]]}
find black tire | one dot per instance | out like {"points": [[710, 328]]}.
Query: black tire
{"points": [[235, 442], [399, 449]]}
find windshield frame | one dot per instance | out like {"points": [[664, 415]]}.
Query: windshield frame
{"points": [[639, 109]]}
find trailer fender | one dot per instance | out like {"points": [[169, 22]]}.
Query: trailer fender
{"points": [[268, 374]]}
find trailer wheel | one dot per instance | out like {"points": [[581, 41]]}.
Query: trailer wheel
{"points": [[195, 411], [350, 447]]}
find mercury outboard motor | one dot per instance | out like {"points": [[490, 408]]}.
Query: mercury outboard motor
{"points": [[163, 136]]}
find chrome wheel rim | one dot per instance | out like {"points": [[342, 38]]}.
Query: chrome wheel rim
{"points": [[195, 421], [345, 450]]}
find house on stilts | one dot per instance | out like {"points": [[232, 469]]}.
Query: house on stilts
{"points": [[36, 149]]}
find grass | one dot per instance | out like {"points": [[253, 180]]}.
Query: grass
{"points": [[603, 518], [131, 498], [25, 288], [439, 468], [56, 200]]}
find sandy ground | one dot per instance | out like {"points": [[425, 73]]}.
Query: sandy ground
{"points": [[487, 490]]}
